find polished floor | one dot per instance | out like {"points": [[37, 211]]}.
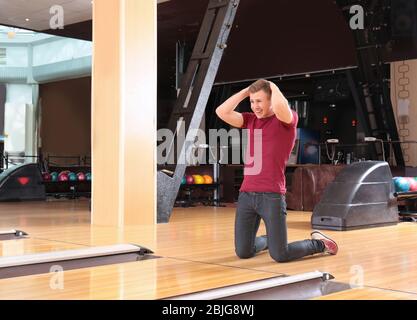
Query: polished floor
{"points": [[196, 250]]}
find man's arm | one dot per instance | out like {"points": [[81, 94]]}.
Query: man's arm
{"points": [[280, 105], [226, 111]]}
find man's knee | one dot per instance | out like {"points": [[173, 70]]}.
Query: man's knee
{"points": [[280, 257], [244, 254]]}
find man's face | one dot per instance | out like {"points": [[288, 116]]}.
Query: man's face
{"points": [[261, 104]]}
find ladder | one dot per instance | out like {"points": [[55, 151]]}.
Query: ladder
{"points": [[194, 92]]}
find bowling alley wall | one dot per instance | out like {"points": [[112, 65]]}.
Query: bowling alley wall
{"points": [[66, 117]]}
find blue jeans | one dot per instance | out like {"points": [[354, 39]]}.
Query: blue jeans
{"points": [[271, 207]]}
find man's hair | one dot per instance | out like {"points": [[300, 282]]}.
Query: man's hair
{"points": [[259, 85]]}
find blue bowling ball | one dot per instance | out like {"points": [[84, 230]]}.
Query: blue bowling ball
{"points": [[72, 176], [401, 184], [54, 176]]}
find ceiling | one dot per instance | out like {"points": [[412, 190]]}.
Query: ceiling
{"points": [[16, 12], [296, 41]]}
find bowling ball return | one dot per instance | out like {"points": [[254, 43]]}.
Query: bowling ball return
{"points": [[361, 196], [22, 182]]}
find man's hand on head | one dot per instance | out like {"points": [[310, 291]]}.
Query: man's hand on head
{"points": [[272, 85]]}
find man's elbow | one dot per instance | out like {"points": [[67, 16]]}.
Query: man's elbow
{"points": [[289, 118], [219, 112], [286, 117]]}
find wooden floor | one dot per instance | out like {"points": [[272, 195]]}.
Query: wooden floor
{"points": [[196, 250]]}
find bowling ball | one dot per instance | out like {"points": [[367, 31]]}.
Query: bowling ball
{"points": [[410, 180], [208, 179], [88, 176], [413, 184], [201, 179], [190, 179], [395, 182], [63, 176], [198, 179], [402, 184], [80, 176], [72, 176], [54, 176], [46, 176], [184, 180]]}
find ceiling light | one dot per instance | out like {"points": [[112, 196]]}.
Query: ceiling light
{"points": [[27, 19]]}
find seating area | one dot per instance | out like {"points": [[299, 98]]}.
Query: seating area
{"points": [[306, 184]]}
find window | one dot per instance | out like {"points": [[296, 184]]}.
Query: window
{"points": [[2, 56]]}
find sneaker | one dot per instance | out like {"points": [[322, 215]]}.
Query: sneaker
{"points": [[330, 246]]}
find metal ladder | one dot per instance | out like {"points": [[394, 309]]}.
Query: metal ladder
{"points": [[194, 93]]}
